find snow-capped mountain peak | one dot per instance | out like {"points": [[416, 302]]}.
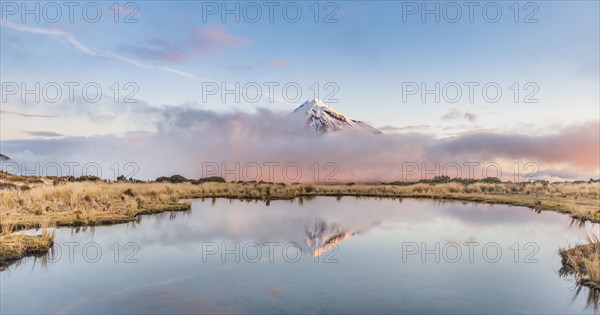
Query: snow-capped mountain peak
{"points": [[318, 118]]}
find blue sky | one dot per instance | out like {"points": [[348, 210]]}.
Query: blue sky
{"points": [[373, 57], [368, 53]]}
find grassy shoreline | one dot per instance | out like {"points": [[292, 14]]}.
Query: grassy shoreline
{"points": [[18, 246], [582, 262], [28, 203]]}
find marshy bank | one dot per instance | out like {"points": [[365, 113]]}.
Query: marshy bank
{"points": [[16, 246], [26, 202]]}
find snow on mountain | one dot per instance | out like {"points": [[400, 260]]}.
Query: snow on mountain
{"points": [[317, 118], [321, 237]]}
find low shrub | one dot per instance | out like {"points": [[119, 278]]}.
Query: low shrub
{"points": [[212, 179], [177, 179]]}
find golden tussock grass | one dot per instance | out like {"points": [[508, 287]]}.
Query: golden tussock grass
{"points": [[94, 203], [583, 263], [16, 246]]}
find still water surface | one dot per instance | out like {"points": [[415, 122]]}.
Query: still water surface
{"points": [[307, 256]]}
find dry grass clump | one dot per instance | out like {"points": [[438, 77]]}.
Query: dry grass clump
{"points": [[16, 246], [583, 262]]}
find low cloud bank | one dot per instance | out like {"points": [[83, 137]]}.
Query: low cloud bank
{"points": [[255, 146]]}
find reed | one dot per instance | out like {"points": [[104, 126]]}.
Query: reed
{"points": [[583, 262]]}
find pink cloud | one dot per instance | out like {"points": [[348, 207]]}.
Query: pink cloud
{"points": [[576, 145], [220, 36], [204, 42], [208, 41], [278, 63]]}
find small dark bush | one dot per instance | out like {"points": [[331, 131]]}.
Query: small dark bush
{"points": [[491, 180], [441, 179], [7, 186], [87, 178], [177, 179], [309, 188], [162, 179], [213, 179]]}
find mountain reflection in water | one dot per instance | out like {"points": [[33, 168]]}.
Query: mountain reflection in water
{"points": [[368, 272]]}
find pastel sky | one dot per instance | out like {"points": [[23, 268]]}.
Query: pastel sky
{"points": [[364, 55]]}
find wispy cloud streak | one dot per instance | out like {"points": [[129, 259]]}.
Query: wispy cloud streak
{"points": [[8, 112], [96, 52]]}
